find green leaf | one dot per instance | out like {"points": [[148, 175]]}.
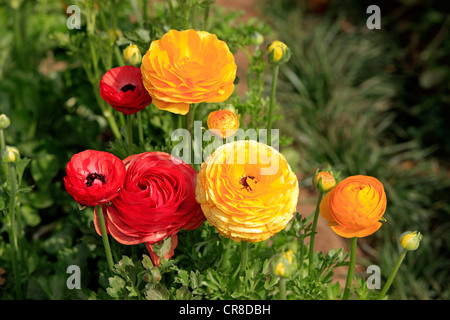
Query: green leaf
{"points": [[20, 168], [183, 277], [44, 168], [158, 293], [30, 216]]}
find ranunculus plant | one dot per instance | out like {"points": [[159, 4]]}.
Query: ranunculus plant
{"points": [[157, 199], [231, 226]]}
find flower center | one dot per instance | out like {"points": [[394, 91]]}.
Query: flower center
{"points": [[91, 178], [243, 181], [128, 87]]}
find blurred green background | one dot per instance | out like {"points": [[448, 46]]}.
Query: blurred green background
{"points": [[372, 102]]}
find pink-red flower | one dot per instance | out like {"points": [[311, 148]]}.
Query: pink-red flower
{"points": [[94, 177], [157, 199], [123, 89]]}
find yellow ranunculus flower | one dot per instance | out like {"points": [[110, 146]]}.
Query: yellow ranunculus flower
{"points": [[185, 67], [247, 191]]}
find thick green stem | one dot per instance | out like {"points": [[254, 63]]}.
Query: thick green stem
{"points": [[302, 253], [282, 288], [96, 76], [130, 134], [226, 255], [271, 105], [172, 14], [244, 256], [105, 238], [351, 268], [140, 129], [313, 233], [393, 273], [13, 230], [2, 146]]}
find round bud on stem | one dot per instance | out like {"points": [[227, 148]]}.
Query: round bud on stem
{"points": [[410, 240], [4, 121], [132, 55], [278, 53], [10, 155], [324, 181], [283, 265]]}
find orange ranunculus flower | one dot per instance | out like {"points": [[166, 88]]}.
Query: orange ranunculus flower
{"points": [[224, 123], [247, 191], [185, 67], [355, 206]]}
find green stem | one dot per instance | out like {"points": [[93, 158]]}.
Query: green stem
{"points": [[140, 129], [172, 14], [313, 233], [244, 256], [95, 80], [13, 229], [226, 255], [206, 18], [130, 133], [2, 147], [393, 273], [105, 238], [351, 268], [194, 15], [271, 105], [282, 288], [302, 253]]}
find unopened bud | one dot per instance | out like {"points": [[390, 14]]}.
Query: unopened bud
{"points": [[10, 154], [4, 121], [283, 264], [256, 38], [132, 55], [410, 240], [278, 52], [324, 181], [223, 123]]}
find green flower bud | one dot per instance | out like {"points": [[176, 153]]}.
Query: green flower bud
{"points": [[324, 181], [10, 155], [278, 52], [132, 55], [256, 38], [4, 121], [283, 264], [410, 240]]}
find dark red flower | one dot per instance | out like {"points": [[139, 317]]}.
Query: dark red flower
{"points": [[94, 177], [156, 200], [123, 89]]}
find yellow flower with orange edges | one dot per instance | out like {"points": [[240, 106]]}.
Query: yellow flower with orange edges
{"points": [[247, 191], [185, 67], [355, 206], [223, 123]]}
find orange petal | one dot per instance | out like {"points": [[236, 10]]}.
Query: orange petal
{"points": [[359, 233], [178, 108]]}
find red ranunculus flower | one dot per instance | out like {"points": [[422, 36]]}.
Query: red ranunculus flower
{"points": [[94, 177], [123, 89], [157, 199]]}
